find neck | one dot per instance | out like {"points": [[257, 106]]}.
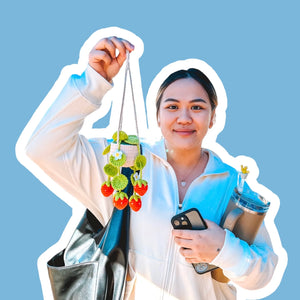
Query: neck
{"points": [[187, 165], [184, 158]]}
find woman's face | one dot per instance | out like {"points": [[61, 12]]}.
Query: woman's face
{"points": [[185, 114]]}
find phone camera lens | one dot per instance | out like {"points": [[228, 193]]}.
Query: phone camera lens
{"points": [[201, 267]]}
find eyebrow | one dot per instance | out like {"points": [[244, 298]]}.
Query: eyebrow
{"points": [[192, 101]]}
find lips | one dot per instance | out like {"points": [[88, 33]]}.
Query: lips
{"points": [[184, 132]]}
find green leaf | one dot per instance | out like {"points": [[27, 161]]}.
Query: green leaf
{"points": [[119, 182], [123, 195], [140, 182], [118, 162], [140, 162], [120, 195], [122, 136], [110, 170], [134, 197], [133, 168], [107, 183], [106, 150], [132, 140]]}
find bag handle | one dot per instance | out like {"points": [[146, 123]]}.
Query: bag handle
{"points": [[232, 218]]}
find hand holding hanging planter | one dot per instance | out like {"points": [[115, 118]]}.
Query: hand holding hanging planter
{"points": [[124, 151]]}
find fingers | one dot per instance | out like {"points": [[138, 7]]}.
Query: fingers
{"points": [[108, 56], [186, 238], [200, 245], [191, 256], [185, 234], [107, 46], [184, 243], [121, 46], [97, 56], [187, 253], [111, 44], [192, 260]]}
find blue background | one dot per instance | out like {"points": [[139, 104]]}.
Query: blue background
{"points": [[252, 45]]}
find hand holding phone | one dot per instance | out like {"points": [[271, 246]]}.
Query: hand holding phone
{"points": [[192, 220]]}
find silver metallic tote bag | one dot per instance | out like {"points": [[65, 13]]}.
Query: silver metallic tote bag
{"points": [[93, 265]]}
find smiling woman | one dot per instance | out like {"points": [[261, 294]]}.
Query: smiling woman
{"points": [[182, 174], [184, 116]]}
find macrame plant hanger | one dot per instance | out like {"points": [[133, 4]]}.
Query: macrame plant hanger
{"points": [[127, 72], [125, 151]]}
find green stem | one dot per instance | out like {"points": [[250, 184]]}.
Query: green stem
{"points": [[139, 148]]}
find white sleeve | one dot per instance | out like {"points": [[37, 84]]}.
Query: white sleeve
{"points": [[250, 267], [67, 157]]}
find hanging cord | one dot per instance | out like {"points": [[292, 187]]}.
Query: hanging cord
{"points": [[127, 72]]}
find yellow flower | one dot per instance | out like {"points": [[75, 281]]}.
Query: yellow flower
{"points": [[244, 169], [118, 155], [136, 176]]}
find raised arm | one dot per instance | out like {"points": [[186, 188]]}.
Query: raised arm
{"points": [[56, 146]]}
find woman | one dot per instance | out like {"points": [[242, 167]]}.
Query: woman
{"points": [[181, 175]]}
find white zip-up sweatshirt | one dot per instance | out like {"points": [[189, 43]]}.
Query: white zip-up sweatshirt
{"points": [[156, 268]]}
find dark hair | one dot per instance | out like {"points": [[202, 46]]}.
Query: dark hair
{"points": [[190, 73]]}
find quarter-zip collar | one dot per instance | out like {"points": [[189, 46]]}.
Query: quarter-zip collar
{"points": [[214, 165]]}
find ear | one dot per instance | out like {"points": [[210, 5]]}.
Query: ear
{"points": [[158, 121], [212, 119]]}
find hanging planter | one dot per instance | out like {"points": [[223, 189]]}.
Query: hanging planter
{"points": [[125, 151]]}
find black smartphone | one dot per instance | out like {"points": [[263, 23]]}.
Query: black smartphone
{"points": [[191, 219]]}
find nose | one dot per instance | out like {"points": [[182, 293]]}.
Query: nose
{"points": [[184, 117]]}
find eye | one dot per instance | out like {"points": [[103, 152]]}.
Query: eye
{"points": [[172, 107], [197, 107]]}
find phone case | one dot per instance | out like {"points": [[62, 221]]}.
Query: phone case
{"points": [[191, 219]]}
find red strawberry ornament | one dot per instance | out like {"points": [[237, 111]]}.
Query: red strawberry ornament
{"points": [[135, 202], [120, 200], [107, 189], [140, 187]]}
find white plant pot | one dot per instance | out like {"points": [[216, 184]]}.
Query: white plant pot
{"points": [[131, 152]]}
